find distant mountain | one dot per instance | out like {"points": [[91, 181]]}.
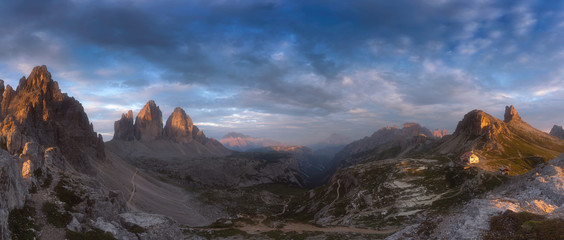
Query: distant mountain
{"points": [[511, 142], [333, 140], [179, 137], [557, 131], [241, 142], [388, 142], [439, 133]]}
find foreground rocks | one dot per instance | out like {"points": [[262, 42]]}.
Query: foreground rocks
{"points": [[540, 191]]}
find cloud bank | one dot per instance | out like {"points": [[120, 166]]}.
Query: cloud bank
{"points": [[295, 71]]}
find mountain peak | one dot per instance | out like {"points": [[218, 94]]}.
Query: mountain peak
{"points": [[511, 115], [123, 128], [40, 80], [149, 122], [38, 112], [476, 123], [179, 126], [557, 131]]}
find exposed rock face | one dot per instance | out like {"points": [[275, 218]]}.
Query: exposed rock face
{"points": [[439, 133], [123, 128], [479, 123], [511, 115], [180, 137], [13, 189], [179, 126], [38, 112], [557, 131], [149, 122]]}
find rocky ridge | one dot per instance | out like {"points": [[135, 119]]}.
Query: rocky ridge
{"points": [[37, 111], [388, 142], [241, 142], [511, 142]]}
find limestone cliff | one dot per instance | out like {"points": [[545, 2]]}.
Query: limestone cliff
{"points": [[124, 127], [37, 111], [149, 122], [179, 126], [180, 132]]}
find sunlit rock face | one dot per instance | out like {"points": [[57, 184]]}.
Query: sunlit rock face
{"points": [[26, 169], [37, 111], [511, 115], [439, 133], [149, 122], [242, 142], [179, 126]]}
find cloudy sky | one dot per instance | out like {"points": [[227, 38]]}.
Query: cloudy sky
{"points": [[295, 71]]}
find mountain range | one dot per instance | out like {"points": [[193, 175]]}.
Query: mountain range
{"points": [[241, 142], [167, 180]]}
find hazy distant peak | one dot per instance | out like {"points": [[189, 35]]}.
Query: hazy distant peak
{"points": [[235, 135], [242, 142], [557, 131]]}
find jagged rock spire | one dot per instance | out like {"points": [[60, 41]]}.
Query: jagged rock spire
{"points": [[511, 115], [123, 128], [149, 122], [179, 126], [38, 112]]}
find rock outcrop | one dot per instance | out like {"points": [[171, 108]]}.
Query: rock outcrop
{"points": [[511, 115], [149, 122], [39, 112], [557, 131], [124, 127], [179, 127], [541, 191]]}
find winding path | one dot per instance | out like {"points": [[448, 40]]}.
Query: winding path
{"points": [[338, 194], [133, 188]]}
